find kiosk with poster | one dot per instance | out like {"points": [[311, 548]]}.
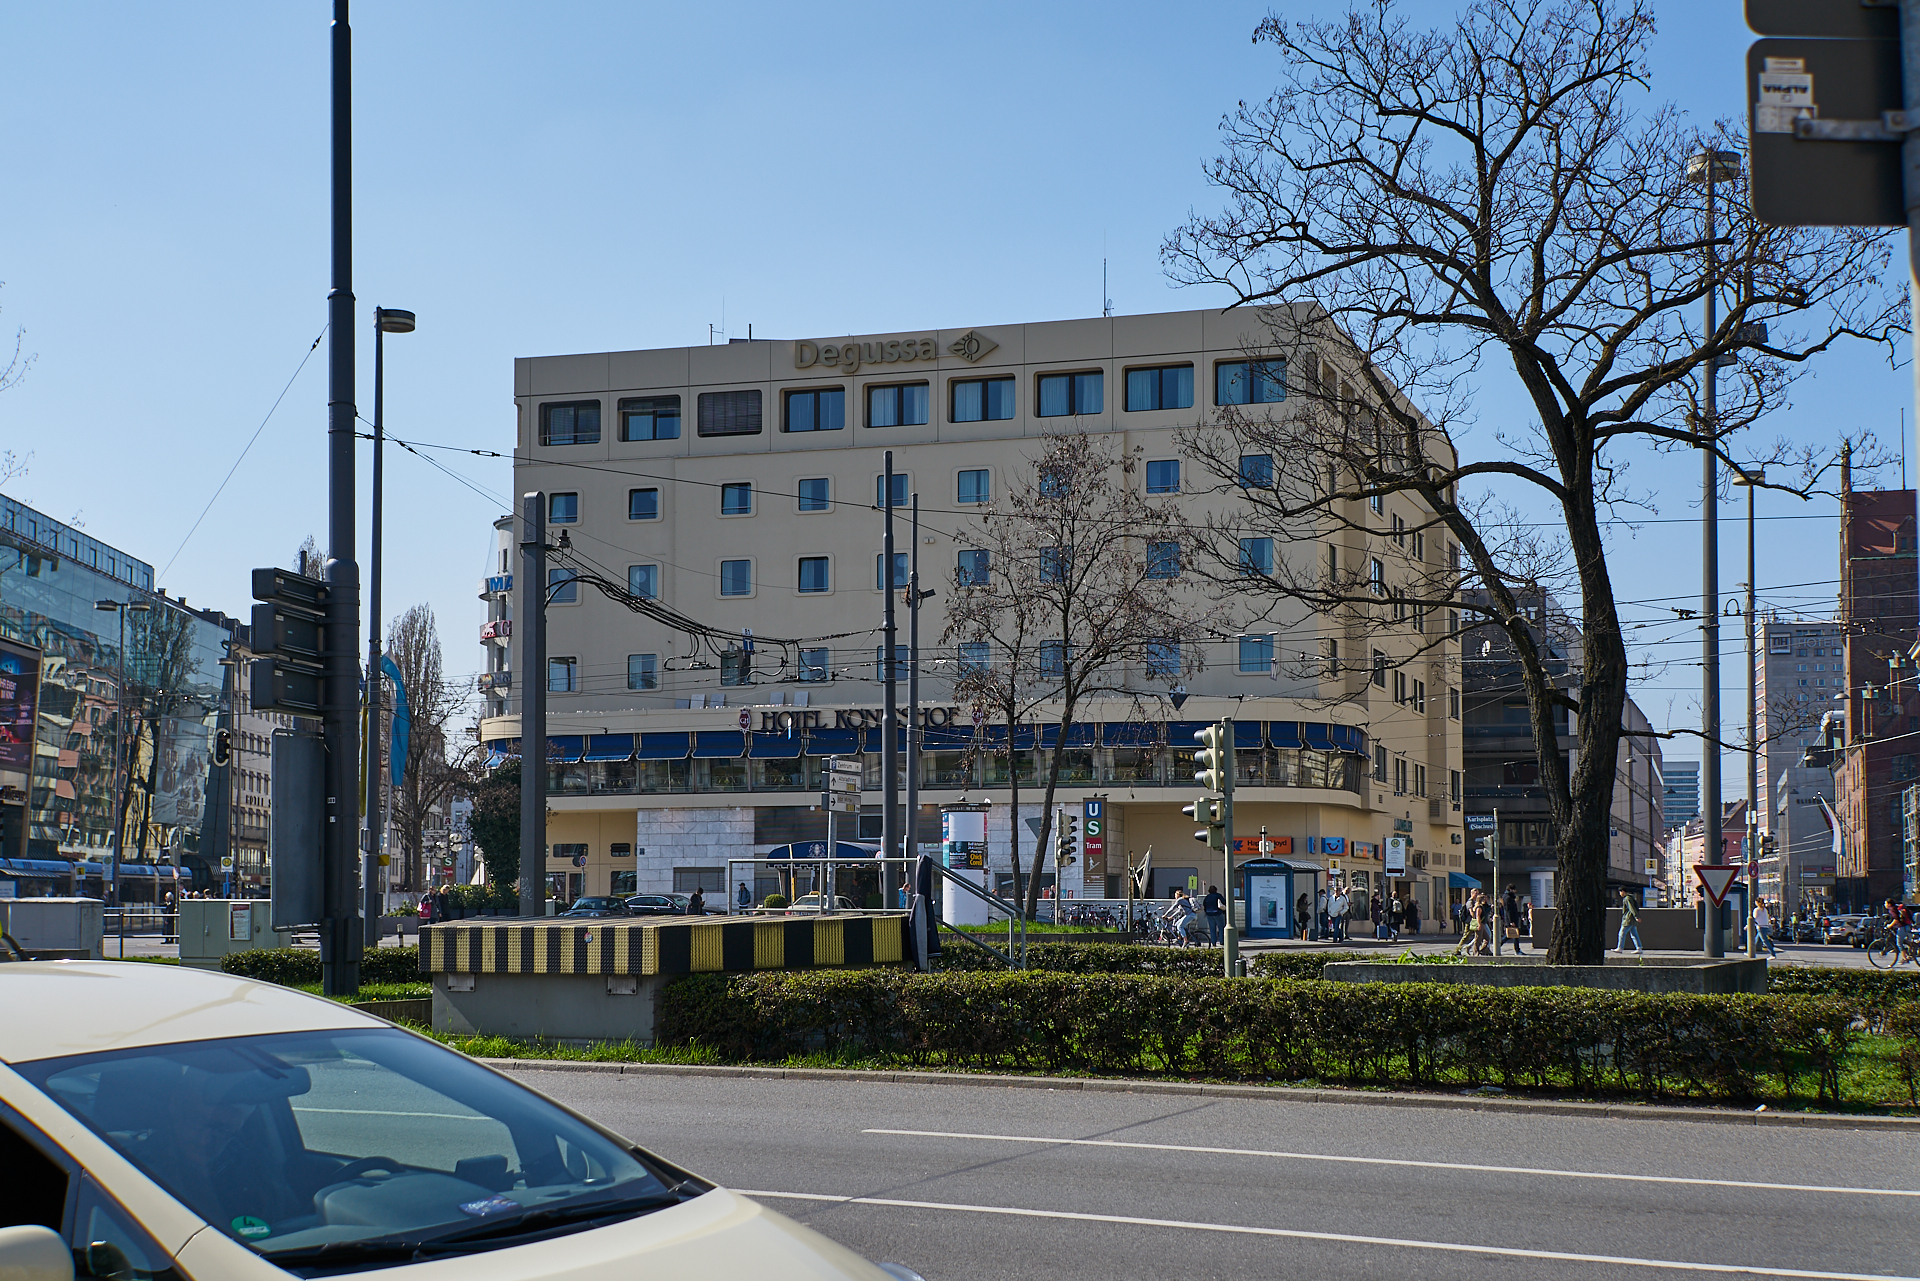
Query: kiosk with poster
{"points": [[1268, 884]]}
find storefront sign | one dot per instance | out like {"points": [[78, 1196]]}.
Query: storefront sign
{"points": [[19, 702], [848, 357], [1250, 846], [778, 722]]}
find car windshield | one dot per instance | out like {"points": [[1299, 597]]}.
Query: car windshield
{"points": [[331, 1146]]}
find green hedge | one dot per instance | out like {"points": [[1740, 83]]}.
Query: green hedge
{"points": [[1876, 992], [292, 967], [1709, 1047], [1133, 958]]}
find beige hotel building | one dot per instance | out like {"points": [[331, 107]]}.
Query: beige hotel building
{"points": [[739, 485]]}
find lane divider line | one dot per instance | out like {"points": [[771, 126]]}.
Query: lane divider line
{"points": [[1347, 1238], [1407, 1163]]}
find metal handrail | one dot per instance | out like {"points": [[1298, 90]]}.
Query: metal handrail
{"points": [[1013, 913]]}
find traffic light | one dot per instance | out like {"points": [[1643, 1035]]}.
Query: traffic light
{"points": [[1069, 846], [1213, 762], [289, 629], [1210, 812], [222, 747]]}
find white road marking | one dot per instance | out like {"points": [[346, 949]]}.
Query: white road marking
{"points": [[1424, 1165], [1452, 1247]]}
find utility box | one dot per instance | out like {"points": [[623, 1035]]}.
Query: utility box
{"points": [[59, 928], [212, 927]]}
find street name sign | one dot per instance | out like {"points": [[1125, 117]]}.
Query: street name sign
{"points": [[1716, 880]]}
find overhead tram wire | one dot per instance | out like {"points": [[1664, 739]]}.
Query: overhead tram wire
{"points": [[243, 453]]}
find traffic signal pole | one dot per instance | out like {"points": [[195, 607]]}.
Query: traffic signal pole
{"points": [[531, 627], [342, 932], [1231, 952]]}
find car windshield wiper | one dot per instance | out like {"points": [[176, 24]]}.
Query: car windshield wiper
{"points": [[554, 1215]]}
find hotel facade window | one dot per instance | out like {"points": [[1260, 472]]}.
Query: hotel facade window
{"points": [[736, 498], [1066, 395], [1163, 659], [880, 570], [643, 671], [982, 400], [1256, 654], [736, 578], [1256, 471], [563, 509], [563, 675], [1163, 476], [729, 413], [900, 490], [815, 494], [1256, 557], [975, 656], [823, 409], [643, 504], [973, 570], [904, 405], [814, 663], [1249, 382], [644, 581], [975, 487], [650, 418], [563, 588], [1165, 387], [1163, 559], [577, 423], [814, 575]]}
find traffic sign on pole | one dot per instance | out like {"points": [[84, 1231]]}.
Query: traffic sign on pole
{"points": [[1716, 880], [840, 802], [837, 782], [1827, 118]]}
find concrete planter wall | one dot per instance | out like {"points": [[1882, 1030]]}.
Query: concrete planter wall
{"points": [[1697, 977]]}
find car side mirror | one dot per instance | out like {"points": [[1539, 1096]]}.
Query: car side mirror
{"points": [[33, 1253]]}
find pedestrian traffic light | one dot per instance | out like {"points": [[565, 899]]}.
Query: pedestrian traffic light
{"points": [[1212, 813], [1213, 762], [289, 635], [1069, 844]]}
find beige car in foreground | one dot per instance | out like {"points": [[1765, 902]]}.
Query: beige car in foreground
{"points": [[165, 1124]]}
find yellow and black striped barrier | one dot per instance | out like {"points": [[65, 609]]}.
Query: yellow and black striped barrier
{"points": [[668, 945]]}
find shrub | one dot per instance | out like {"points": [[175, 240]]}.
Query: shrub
{"points": [[1875, 992], [292, 967], [1718, 1047], [774, 901]]}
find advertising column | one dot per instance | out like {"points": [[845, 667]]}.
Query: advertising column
{"points": [[963, 844]]}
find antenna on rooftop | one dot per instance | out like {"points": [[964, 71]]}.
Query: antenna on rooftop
{"points": [[1106, 303]]}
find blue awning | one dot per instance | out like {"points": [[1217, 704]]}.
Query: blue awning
{"points": [[609, 747], [818, 849], [663, 747], [1284, 733], [1180, 733], [1133, 733], [1316, 736], [719, 744], [1023, 737], [946, 738], [834, 742], [37, 867], [775, 747], [1461, 881], [876, 741], [565, 749], [1077, 735], [1249, 736], [507, 748], [1350, 738]]}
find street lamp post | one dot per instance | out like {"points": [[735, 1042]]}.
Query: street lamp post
{"points": [[1707, 169], [1752, 479], [386, 320], [120, 609]]}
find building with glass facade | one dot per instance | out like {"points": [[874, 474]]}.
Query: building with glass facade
{"points": [[102, 731]]}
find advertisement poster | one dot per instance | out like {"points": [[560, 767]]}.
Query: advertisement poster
{"points": [[181, 786], [19, 701]]}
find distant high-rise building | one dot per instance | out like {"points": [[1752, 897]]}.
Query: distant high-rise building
{"points": [[1799, 673], [1680, 792]]}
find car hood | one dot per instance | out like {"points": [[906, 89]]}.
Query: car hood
{"points": [[719, 1234]]}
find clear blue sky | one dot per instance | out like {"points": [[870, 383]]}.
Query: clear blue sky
{"points": [[594, 176]]}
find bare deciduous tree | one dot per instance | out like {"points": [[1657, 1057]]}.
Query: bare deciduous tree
{"points": [[432, 771], [1081, 580], [1428, 204]]}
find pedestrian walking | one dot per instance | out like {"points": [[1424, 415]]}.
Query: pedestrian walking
{"points": [[1396, 916], [1629, 925], [1322, 919], [1413, 916], [697, 903], [1483, 921], [1507, 924], [1302, 906], [1760, 921], [1216, 910], [1339, 908]]}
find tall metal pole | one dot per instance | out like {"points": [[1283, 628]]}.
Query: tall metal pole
{"points": [[370, 883], [532, 629], [341, 933], [119, 755], [1753, 737], [1910, 162], [1710, 579], [889, 745], [1230, 954], [912, 824]]}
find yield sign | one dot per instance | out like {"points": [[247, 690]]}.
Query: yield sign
{"points": [[1717, 880]]}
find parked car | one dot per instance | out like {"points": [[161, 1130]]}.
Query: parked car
{"points": [[657, 905], [597, 905], [164, 1121], [811, 903], [1840, 928]]}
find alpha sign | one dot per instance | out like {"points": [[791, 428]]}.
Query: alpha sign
{"points": [[849, 356]]}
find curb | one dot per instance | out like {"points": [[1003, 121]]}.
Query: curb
{"points": [[1270, 1093]]}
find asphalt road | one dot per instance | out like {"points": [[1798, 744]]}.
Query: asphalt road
{"points": [[973, 1183]]}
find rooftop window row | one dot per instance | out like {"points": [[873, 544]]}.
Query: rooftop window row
{"points": [[908, 404]]}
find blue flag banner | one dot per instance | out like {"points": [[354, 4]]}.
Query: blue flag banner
{"points": [[402, 720]]}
